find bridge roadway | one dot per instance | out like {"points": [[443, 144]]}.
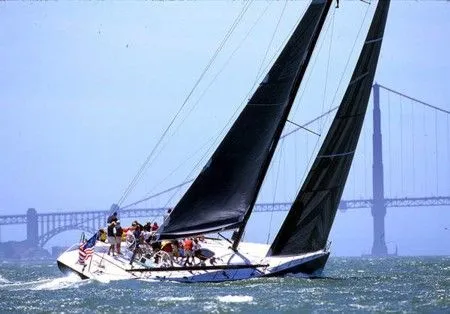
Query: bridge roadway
{"points": [[84, 216]]}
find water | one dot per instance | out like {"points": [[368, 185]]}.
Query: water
{"points": [[403, 284]]}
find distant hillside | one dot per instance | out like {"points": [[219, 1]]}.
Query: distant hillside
{"points": [[13, 250]]}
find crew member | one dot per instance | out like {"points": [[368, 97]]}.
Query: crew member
{"points": [[112, 218]]}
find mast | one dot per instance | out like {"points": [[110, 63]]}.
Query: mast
{"points": [[224, 193], [309, 221], [237, 236]]}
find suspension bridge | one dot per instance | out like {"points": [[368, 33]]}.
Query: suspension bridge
{"points": [[41, 227]]}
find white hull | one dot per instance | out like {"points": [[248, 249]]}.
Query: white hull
{"points": [[249, 262]]}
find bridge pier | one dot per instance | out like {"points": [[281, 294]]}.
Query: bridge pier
{"points": [[32, 227], [379, 206]]}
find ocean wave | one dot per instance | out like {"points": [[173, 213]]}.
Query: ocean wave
{"points": [[71, 281], [235, 299], [149, 280], [24, 284], [4, 280], [175, 299]]}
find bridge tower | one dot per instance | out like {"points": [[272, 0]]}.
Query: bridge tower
{"points": [[32, 227], [378, 208]]}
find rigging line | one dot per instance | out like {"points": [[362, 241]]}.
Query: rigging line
{"points": [[311, 158], [224, 66], [218, 73], [207, 88], [230, 31], [401, 145], [102, 215], [302, 127], [146, 162], [425, 150], [436, 151], [311, 67], [283, 44], [275, 190], [157, 194], [328, 66], [237, 110], [309, 122], [415, 100], [208, 151], [270, 43], [231, 120], [238, 107], [277, 53], [351, 53], [196, 166], [178, 167], [228, 123]]}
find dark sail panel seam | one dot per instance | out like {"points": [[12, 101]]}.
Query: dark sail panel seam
{"points": [[373, 40], [336, 155], [358, 78]]}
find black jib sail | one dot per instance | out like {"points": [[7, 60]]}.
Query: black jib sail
{"points": [[308, 223], [223, 194]]}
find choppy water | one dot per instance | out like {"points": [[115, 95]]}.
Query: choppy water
{"points": [[403, 284]]}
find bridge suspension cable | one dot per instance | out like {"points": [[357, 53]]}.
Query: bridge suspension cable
{"points": [[414, 99], [435, 130]]}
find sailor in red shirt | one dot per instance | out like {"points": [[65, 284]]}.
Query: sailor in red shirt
{"points": [[188, 246]]}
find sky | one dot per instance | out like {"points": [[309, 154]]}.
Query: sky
{"points": [[89, 87]]}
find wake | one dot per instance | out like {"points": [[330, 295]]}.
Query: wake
{"points": [[3, 280], [70, 281]]}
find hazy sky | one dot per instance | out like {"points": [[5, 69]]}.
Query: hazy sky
{"points": [[88, 88]]}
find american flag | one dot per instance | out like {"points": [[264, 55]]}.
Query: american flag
{"points": [[86, 249]]}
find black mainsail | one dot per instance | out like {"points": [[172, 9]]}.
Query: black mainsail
{"points": [[223, 194], [308, 223]]}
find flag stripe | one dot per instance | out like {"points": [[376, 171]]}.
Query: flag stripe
{"points": [[86, 249]]}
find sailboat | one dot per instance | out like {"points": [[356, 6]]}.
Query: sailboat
{"points": [[223, 195]]}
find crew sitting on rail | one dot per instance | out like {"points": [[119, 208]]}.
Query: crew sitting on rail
{"points": [[188, 245], [167, 247]]}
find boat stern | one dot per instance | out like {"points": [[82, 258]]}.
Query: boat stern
{"points": [[308, 265]]}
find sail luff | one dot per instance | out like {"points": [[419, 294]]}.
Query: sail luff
{"points": [[299, 77], [224, 192], [309, 221]]}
